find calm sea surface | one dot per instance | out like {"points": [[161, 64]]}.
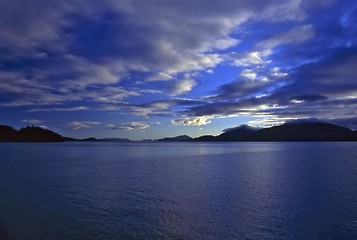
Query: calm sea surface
{"points": [[178, 191]]}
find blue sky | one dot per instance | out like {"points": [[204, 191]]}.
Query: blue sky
{"points": [[153, 68]]}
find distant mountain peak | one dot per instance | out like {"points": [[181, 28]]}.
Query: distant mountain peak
{"points": [[179, 138]]}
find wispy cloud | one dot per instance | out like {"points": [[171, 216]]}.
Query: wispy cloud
{"points": [[296, 35], [76, 125], [129, 126], [32, 121], [182, 86], [62, 109]]}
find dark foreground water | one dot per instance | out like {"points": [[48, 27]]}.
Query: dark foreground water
{"points": [[178, 191]]}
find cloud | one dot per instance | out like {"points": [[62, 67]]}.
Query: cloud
{"points": [[182, 86], [270, 121], [85, 44], [308, 98], [194, 121], [63, 109], [258, 82], [24, 27], [32, 121], [160, 77], [76, 125], [242, 126], [249, 58], [330, 77], [296, 35], [157, 108], [129, 126]]}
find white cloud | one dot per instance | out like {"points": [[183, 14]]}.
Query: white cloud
{"points": [[196, 62], [150, 91], [88, 73], [276, 72], [76, 125], [32, 121], [182, 86], [146, 110], [108, 94], [160, 77], [62, 109], [250, 58], [129, 126], [269, 121], [295, 35], [225, 43], [194, 121], [249, 74]]}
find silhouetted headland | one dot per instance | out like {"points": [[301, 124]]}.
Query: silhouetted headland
{"points": [[28, 134]]}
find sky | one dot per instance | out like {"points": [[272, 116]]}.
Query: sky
{"points": [[154, 68]]}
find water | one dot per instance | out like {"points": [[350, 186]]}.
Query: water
{"points": [[178, 191]]}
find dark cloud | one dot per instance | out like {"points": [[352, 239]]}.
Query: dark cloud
{"points": [[242, 89], [250, 83], [308, 97], [331, 77], [244, 106]]}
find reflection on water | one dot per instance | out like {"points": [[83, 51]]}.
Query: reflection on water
{"points": [[178, 191]]}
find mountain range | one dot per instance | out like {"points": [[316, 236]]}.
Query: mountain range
{"points": [[294, 131], [291, 131]]}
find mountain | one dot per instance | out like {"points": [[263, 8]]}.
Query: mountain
{"points": [[181, 138], [28, 134], [114, 140], [241, 133], [291, 131], [305, 131], [147, 140], [90, 139], [205, 138], [38, 134]]}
